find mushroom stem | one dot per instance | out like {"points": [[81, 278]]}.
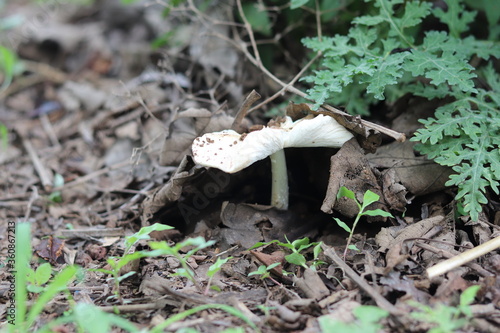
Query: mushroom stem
{"points": [[279, 192]]}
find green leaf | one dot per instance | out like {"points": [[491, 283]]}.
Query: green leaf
{"points": [[456, 17], [58, 284], [345, 192], [377, 212], [446, 68], [43, 274], [294, 4], [353, 247], [215, 267], [296, 259], [7, 66], [300, 243], [317, 250], [261, 270], [144, 232], [370, 197], [101, 322], [468, 140], [370, 313], [342, 225], [468, 295], [258, 18]]}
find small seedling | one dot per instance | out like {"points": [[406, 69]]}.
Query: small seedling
{"points": [[56, 196], [196, 244], [37, 278], [212, 270], [447, 319], [368, 198], [367, 321], [102, 322], [297, 246], [264, 271], [4, 137], [23, 319], [117, 264]]}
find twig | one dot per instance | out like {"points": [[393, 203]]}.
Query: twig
{"points": [[446, 254], [248, 28], [43, 173], [289, 84], [317, 14], [92, 175], [160, 304], [463, 258], [49, 129], [242, 112], [33, 197], [93, 232], [379, 299]]}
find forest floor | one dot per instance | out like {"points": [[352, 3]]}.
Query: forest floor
{"points": [[100, 128]]}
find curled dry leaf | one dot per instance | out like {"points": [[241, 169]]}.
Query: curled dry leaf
{"points": [[350, 168]]}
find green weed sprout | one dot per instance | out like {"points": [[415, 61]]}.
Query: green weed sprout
{"points": [[102, 322], [367, 318], [37, 278], [447, 319], [25, 318], [117, 264], [4, 137], [296, 247], [212, 270], [264, 271], [368, 198], [196, 244]]}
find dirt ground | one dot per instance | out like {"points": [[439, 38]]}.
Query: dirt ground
{"points": [[100, 129]]}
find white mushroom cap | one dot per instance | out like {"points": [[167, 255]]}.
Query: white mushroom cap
{"points": [[232, 152]]}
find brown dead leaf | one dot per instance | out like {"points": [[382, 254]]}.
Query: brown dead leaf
{"points": [[51, 249], [416, 174], [269, 259], [311, 284], [169, 193], [391, 236], [394, 281], [96, 252], [247, 224], [350, 168]]}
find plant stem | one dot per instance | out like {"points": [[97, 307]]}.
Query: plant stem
{"points": [[279, 192]]}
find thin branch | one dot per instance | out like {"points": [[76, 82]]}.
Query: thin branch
{"points": [[289, 84], [463, 258]]}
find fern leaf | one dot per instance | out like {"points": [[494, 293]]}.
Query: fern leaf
{"points": [[414, 13], [456, 17], [447, 68]]}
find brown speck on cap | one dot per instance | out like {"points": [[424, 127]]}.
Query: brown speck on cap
{"points": [[243, 136]]}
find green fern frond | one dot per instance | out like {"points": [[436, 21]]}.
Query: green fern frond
{"points": [[380, 55]]}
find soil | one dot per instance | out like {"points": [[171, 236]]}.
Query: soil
{"points": [[100, 126]]}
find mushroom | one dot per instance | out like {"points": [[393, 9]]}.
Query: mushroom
{"points": [[231, 152]]}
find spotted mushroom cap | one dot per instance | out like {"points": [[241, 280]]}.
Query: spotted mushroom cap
{"points": [[231, 152]]}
